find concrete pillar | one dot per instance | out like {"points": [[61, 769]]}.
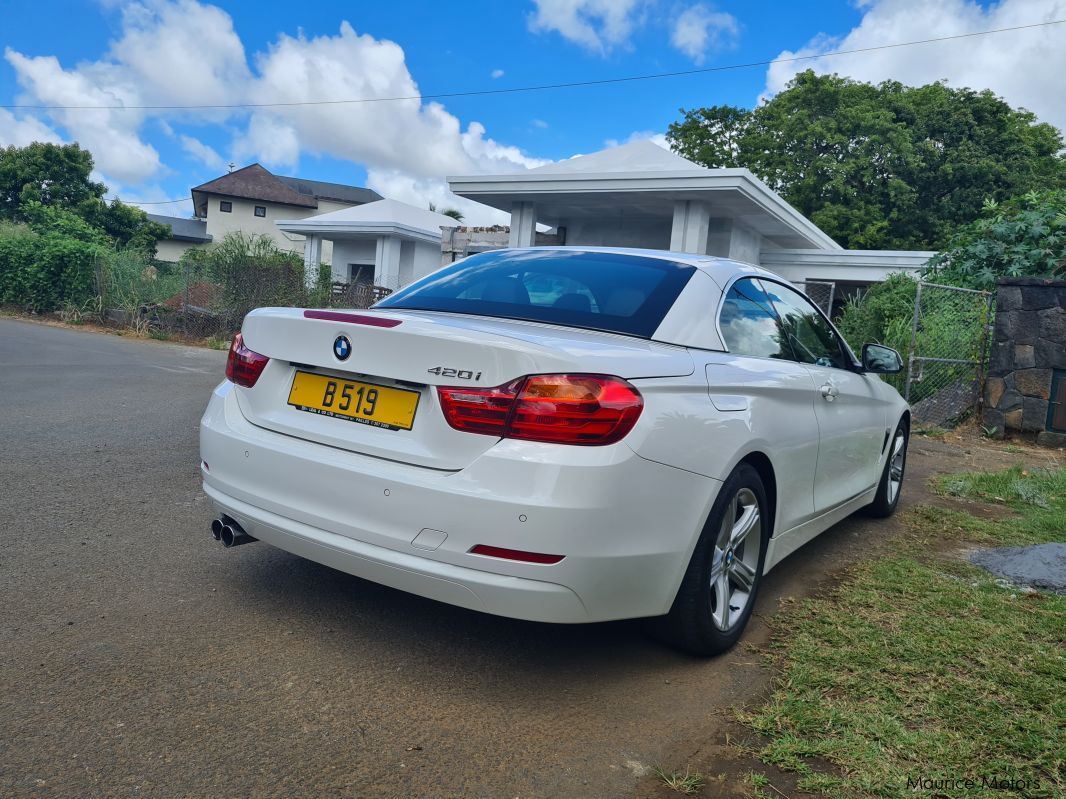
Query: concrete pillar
{"points": [[689, 230], [312, 258], [523, 224], [730, 239], [745, 245], [387, 262]]}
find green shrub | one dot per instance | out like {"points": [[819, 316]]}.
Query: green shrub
{"points": [[250, 271], [875, 316], [1023, 237], [950, 326], [45, 271]]}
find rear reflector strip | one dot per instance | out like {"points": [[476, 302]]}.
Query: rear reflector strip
{"points": [[352, 318], [514, 554]]}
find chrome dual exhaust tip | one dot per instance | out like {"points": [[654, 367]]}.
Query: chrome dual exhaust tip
{"points": [[229, 533]]}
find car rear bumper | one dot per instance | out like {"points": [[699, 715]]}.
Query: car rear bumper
{"points": [[625, 525]]}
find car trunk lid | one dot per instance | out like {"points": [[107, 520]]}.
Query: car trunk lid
{"points": [[416, 351]]}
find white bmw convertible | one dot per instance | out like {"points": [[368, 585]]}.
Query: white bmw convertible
{"points": [[558, 434]]}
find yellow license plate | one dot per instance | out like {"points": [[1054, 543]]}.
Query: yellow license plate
{"points": [[355, 401]]}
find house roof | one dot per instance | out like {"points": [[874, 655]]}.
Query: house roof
{"points": [[641, 180], [183, 229], [339, 192], [384, 217], [256, 182], [637, 156], [252, 182]]}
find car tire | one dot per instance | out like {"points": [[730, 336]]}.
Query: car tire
{"points": [[718, 591], [891, 486]]}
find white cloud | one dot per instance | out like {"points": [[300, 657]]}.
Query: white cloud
{"points": [[111, 135], [540, 123], [699, 28], [598, 25], [182, 52], [20, 131], [497, 73], [407, 146], [203, 153], [1025, 67]]}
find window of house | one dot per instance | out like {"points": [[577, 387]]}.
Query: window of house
{"points": [[260, 210], [225, 206]]}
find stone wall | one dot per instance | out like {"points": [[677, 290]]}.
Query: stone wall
{"points": [[1028, 345]]}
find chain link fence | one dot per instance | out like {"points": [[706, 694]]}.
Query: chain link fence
{"points": [[948, 352], [821, 293]]}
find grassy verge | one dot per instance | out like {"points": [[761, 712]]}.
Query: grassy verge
{"points": [[920, 672]]}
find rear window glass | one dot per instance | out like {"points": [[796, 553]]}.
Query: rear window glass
{"points": [[627, 294]]}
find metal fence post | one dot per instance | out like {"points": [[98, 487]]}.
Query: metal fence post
{"points": [[914, 341], [982, 349]]}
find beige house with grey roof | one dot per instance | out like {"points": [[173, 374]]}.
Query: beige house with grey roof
{"points": [[250, 200]]}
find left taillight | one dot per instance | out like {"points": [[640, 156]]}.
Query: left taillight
{"points": [[581, 409], [244, 366]]}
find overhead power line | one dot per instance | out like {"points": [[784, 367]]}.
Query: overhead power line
{"points": [[139, 202], [535, 88]]}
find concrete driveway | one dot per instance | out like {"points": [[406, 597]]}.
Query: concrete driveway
{"points": [[140, 658]]}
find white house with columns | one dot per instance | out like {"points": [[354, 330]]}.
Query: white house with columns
{"points": [[641, 195], [385, 243]]}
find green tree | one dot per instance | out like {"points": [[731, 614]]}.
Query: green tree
{"points": [[50, 174], [880, 166], [43, 175], [127, 225], [1023, 237]]}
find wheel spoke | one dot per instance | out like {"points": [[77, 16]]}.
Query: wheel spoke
{"points": [[717, 564], [745, 525], [729, 519], [721, 600], [742, 574]]}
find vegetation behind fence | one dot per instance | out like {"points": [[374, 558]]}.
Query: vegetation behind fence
{"points": [[205, 295]]}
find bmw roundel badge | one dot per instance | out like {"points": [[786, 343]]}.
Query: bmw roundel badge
{"points": [[342, 348]]}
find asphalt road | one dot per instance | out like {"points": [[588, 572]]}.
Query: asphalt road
{"points": [[140, 658]]}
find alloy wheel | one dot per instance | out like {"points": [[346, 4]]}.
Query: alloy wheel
{"points": [[735, 564], [895, 468]]}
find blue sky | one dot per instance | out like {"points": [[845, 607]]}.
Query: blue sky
{"points": [[182, 52]]}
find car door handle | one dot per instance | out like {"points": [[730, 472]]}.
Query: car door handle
{"points": [[829, 392]]}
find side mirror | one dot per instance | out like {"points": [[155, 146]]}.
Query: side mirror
{"points": [[881, 360]]}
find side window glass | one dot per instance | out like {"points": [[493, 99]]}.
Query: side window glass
{"points": [[810, 336], [749, 325]]}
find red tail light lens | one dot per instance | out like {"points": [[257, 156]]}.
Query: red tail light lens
{"points": [[480, 410], [589, 410], [244, 366]]}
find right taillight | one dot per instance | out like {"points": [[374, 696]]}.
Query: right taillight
{"points": [[244, 366], [582, 409]]}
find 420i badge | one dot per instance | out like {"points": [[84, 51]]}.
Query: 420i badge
{"points": [[461, 374]]}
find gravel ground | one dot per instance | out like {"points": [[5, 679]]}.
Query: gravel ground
{"points": [[1039, 566], [140, 658]]}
